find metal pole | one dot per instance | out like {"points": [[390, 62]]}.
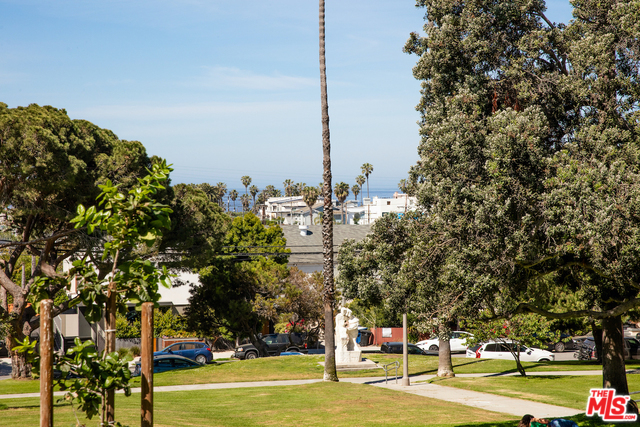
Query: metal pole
{"points": [[46, 364], [405, 352], [146, 364]]}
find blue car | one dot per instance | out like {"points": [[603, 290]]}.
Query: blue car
{"points": [[167, 362], [198, 351]]}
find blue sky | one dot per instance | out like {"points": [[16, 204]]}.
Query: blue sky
{"points": [[223, 89]]}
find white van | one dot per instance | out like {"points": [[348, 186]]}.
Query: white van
{"points": [[501, 350]]}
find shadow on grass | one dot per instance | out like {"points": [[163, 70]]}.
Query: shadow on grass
{"points": [[34, 406], [458, 365]]}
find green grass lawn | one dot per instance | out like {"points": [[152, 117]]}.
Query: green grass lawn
{"points": [[307, 367], [326, 404], [569, 391], [321, 404]]}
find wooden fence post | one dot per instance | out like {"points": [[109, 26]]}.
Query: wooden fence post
{"points": [[146, 365], [46, 364]]}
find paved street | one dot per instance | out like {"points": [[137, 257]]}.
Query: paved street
{"points": [[5, 368]]}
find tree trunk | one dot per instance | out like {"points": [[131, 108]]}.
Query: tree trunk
{"points": [[16, 332], [445, 366], [614, 373], [328, 297], [597, 338], [613, 368], [516, 356], [20, 369]]}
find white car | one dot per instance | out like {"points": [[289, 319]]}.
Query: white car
{"points": [[500, 350], [458, 342]]}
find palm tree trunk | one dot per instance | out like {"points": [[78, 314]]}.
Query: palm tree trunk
{"points": [[328, 297]]}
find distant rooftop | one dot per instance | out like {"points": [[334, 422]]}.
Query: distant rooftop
{"points": [[306, 251]]}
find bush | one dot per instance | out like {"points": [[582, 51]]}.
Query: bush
{"points": [[135, 351], [123, 352]]}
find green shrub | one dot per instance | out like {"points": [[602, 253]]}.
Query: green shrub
{"points": [[135, 351]]}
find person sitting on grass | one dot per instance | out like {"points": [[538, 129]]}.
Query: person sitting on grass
{"points": [[531, 421]]}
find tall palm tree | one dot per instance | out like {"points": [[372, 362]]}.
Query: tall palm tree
{"points": [[367, 168], [246, 181], [360, 181], [342, 192], [221, 188], [254, 190], [328, 293], [310, 197], [270, 191], [288, 187], [355, 189], [245, 200], [233, 195]]}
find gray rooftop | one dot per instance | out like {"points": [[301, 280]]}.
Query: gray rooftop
{"points": [[307, 250]]}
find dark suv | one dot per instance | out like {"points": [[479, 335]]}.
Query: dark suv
{"points": [[276, 344]]}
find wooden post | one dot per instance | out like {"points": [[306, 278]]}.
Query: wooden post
{"points": [[405, 351], [146, 365], [110, 347], [46, 364]]}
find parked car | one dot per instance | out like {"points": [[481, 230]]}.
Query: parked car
{"points": [[631, 348], [396, 347], [501, 350], [457, 342], [3, 349], [167, 362], [276, 344], [197, 351], [566, 342]]}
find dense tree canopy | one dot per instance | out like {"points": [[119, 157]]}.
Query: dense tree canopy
{"points": [[529, 163], [240, 291], [48, 165]]}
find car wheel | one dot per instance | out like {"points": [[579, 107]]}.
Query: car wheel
{"points": [[433, 347], [251, 355], [559, 347], [543, 360], [296, 349], [201, 359]]}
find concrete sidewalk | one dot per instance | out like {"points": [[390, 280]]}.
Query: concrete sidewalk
{"points": [[487, 401]]}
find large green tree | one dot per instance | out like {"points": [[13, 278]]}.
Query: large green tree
{"points": [[238, 292], [529, 163], [198, 228], [48, 165]]}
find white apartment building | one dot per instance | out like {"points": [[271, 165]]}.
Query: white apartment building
{"points": [[378, 207]]}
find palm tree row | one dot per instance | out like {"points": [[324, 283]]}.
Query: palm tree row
{"points": [[254, 197]]}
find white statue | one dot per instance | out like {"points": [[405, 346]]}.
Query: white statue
{"points": [[347, 350]]}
